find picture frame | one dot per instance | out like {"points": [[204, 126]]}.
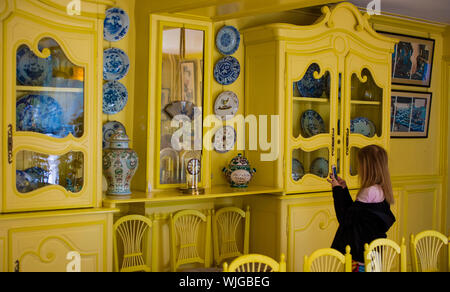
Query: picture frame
{"points": [[410, 114], [188, 80], [412, 61]]}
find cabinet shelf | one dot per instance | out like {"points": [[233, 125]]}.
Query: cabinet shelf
{"points": [[49, 89], [310, 99], [365, 102]]}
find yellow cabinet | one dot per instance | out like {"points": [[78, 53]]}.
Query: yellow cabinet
{"points": [[80, 240], [51, 108], [330, 84]]}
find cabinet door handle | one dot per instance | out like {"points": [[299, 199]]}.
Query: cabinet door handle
{"points": [[332, 141], [347, 141], [10, 144], [17, 267]]}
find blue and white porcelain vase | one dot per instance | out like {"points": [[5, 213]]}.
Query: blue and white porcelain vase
{"points": [[119, 164]]}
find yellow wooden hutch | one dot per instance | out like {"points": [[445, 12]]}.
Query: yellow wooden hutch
{"points": [[280, 42]]}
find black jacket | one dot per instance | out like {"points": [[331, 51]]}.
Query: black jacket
{"points": [[359, 223]]}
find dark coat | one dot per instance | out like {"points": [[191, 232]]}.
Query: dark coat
{"points": [[359, 223]]}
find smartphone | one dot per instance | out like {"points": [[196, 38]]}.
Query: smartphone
{"points": [[334, 171]]}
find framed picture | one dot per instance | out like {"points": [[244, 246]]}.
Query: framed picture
{"points": [[410, 114], [412, 61], [188, 80]]}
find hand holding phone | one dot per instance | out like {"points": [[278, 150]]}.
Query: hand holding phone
{"points": [[334, 172]]}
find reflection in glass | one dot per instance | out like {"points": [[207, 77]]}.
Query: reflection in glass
{"points": [[181, 100], [354, 161], [315, 163], [50, 92], [36, 170]]}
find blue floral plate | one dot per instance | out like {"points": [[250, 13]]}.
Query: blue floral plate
{"points": [[228, 40], [109, 129], [320, 167], [298, 171], [116, 24], [115, 97], [116, 64], [312, 123], [363, 126], [309, 86], [227, 70], [32, 70], [40, 114]]}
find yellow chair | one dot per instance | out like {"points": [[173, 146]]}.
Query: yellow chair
{"points": [[380, 255], [184, 236], [255, 263], [225, 227], [328, 260], [131, 231], [425, 250]]}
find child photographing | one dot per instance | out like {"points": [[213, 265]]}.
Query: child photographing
{"points": [[369, 217]]}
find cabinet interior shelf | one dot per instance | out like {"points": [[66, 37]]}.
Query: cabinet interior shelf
{"points": [[365, 102], [310, 99], [49, 89]]}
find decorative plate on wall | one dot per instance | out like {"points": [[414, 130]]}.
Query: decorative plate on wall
{"points": [[320, 167], [115, 97], [116, 24], [363, 126], [32, 70], [224, 139], [226, 105], [109, 129], [116, 64], [228, 40], [309, 86], [312, 123], [227, 70], [40, 114]]}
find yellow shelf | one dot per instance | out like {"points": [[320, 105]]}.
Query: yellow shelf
{"points": [[175, 195], [310, 99], [50, 89], [364, 102]]}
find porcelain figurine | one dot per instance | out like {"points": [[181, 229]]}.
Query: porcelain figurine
{"points": [[239, 173], [119, 164]]}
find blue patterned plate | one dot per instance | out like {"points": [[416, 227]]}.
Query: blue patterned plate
{"points": [[309, 86], [40, 114], [32, 70], [109, 129], [320, 167], [227, 70], [116, 64], [227, 40], [116, 24], [363, 126], [298, 171], [115, 97], [312, 123]]}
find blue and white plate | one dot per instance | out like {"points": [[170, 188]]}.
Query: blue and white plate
{"points": [[116, 64], [312, 123], [363, 126], [298, 171], [116, 24], [320, 167], [109, 129], [228, 40], [32, 70], [227, 70], [40, 114], [309, 86], [115, 97]]}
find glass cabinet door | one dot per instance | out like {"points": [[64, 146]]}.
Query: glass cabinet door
{"points": [[181, 135], [313, 91]]}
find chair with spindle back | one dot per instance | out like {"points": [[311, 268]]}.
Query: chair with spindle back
{"points": [[426, 248], [328, 260], [255, 263], [380, 255]]}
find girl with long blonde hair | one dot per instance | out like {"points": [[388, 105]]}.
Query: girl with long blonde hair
{"points": [[368, 217]]}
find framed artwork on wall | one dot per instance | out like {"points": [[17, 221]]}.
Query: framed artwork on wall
{"points": [[412, 61], [410, 114], [188, 80]]}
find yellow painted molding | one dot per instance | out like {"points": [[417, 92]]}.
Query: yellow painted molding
{"points": [[59, 213]]}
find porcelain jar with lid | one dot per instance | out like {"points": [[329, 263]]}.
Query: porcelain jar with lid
{"points": [[119, 164], [239, 173]]}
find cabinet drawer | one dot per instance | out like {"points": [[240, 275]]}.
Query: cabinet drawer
{"points": [[45, 248]]}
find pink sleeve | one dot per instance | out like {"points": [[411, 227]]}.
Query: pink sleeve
{"points": [[373, 194]]}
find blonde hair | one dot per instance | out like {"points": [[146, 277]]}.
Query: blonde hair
{"points": [[374, 170]]}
